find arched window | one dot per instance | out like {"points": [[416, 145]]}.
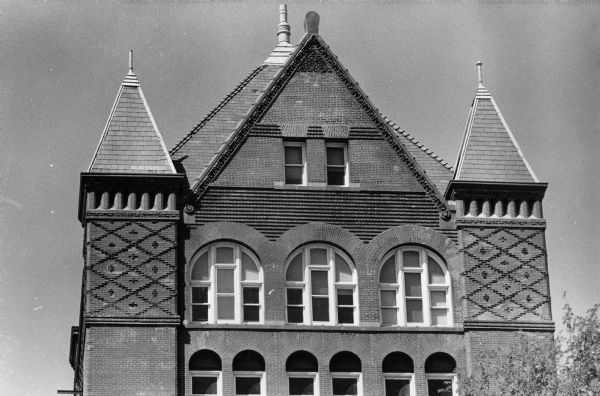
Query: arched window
{"points": [[414, 289], [440, 370], [302, 369], [249, 373], [321, 287], [226, 281], [205, 370], [398, 375], [346, 374]]}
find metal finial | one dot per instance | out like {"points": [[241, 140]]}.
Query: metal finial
{"points": [[130, 60], [283, 29], [479, 64]]}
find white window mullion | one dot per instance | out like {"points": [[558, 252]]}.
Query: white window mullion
{"points": [[401, 290], [425, 288], [331, 287]]}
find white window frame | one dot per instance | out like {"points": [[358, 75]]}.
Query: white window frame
{"points": [[402, 376], [303, 374], [333, 286], [443, 376], [426, 287], [238, 283], [208, 373], [302, 146], [356, 375], [253, 374], [346, 165]]}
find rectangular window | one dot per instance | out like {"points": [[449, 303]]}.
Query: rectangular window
{"points": [[251, 304], [440, 387], [414, 300], [294, 161], [344, 386], [337, 164], [389, 308], [345, 306], [225, 294], [320, 296], [247, 385], [302, 386], [295, 306], [396, 386], [439, 308], [205, 385], [200, 304]]}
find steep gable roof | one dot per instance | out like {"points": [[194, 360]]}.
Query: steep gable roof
{"points": [[131, 142], [489, 151], [310, 46]]}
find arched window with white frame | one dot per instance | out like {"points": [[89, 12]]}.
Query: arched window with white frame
{"points": [[249, 373], [345, 369], [205, 371], [398, 375], [321, 287], [226, 285], [414, 289], [440, 371], [302, 369]]}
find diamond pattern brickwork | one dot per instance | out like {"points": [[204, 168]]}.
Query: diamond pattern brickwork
{"points": [[131, 269], [506, 276]]}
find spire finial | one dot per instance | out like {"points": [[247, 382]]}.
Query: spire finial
{"points": [[283, 29], [479, 64], [131, 60]]}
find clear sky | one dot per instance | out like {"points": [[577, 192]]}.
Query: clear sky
{"points": [[63, 62]]}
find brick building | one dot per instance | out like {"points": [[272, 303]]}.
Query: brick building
{"points": [[298, 242]]}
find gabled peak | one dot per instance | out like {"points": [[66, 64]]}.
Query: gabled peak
{"points": [[131, 142], [489, 151]]}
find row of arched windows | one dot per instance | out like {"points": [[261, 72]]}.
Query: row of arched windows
{"points": [[321, 287], [302, 368]]}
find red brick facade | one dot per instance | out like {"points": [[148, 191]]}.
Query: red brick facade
{"points": [[147, 309]]}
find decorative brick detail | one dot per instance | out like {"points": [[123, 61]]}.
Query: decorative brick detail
{"points": [[506, 274], [131, 269]]}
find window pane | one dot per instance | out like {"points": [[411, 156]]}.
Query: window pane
{"points": [[204, 385], [251, 313], [295, 314], [224, 281], [335, 156], [344, 386], [438, 299], [345, 297], [199, 313], [199, 295], [250, 295], [225, 307], [294, 296], [439, 317], [249, 269], [293, 174], [318, 256], [200, 270], [436, 275], [412, 284], [414, 311], [388, 271], [295, 271], [320, 307], [224, 255], [302, 386], [388, 298], [336, 176], [319, 283], [389, 316], [293, 155], [439, 387], [343, 273], [397, 387], [411, 259], [247, 385], [345, 315]]}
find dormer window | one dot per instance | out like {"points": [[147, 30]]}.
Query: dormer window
{"points": [[295, 163], [337, 164]]}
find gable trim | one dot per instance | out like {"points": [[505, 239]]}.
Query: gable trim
{"points": [[275, 87]]}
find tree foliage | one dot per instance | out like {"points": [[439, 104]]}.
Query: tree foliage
{"points": [[538, 365]]}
